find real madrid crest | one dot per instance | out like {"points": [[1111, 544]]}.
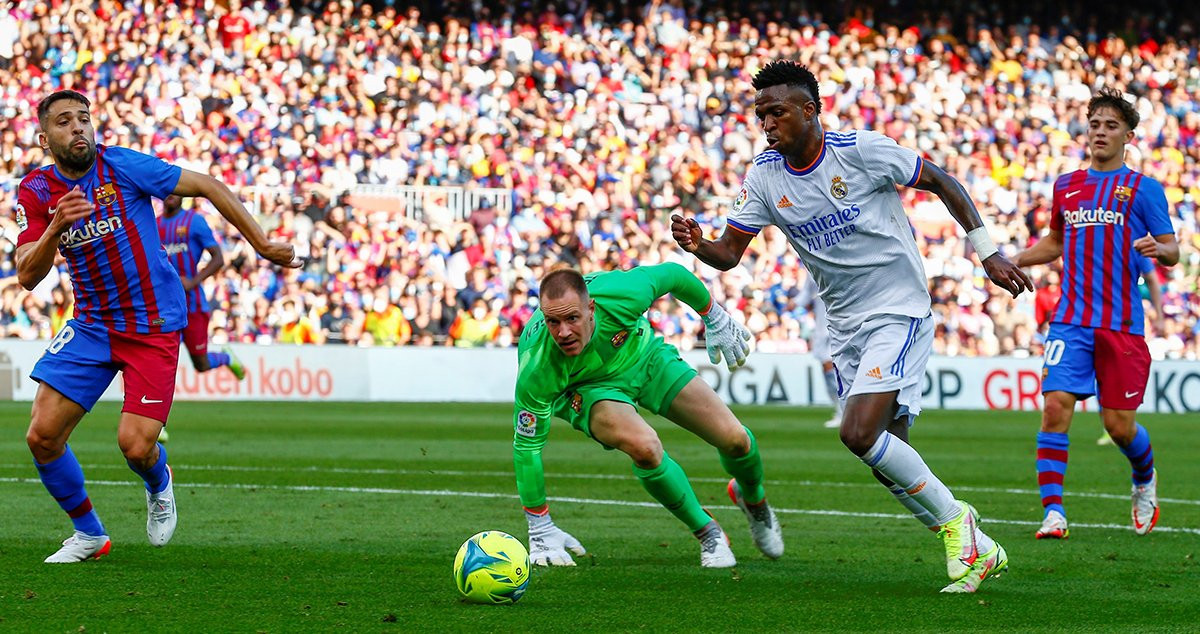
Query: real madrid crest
{"points": [[838, 188], [1123, 193]]}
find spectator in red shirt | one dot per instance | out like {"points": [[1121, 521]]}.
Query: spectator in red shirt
{"points": [[233, 27]]}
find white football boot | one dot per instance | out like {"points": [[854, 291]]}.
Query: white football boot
{"points": [[764, 526], [714, 547], [1054, 526], [1145, 505], [81, 547], [160, 513]]}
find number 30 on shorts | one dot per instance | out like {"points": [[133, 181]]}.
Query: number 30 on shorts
{"points": [[63, 337], [1054, 351]]}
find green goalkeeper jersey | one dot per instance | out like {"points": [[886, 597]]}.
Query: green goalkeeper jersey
{"points": [[620, 341]]}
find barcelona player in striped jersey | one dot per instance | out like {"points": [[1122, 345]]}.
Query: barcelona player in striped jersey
{"points": [[186, 237], [1105, 219], [92, 205]]}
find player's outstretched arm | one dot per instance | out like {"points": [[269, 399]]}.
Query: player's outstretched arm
{"points": [[1003, 273], [197, 184], [34, 259], [549, 545], [723, 254], [1047, 249]]}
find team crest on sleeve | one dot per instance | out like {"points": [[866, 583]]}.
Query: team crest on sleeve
{"points": [[838, 188], [741, 199], [1123, 193], [105, 195], [526, 423], [619, 339], [22, 221]]}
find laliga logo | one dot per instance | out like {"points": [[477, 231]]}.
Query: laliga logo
{"points": [[90, 232]]}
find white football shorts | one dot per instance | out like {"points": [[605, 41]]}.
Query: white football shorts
{"points": [[886, 353]]}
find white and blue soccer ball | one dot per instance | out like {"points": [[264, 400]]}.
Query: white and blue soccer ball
{"points": [[492, 567]]}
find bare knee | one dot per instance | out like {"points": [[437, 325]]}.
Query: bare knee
{"points": [[736, 444], [1056, 415], [1121, 428], [858, 435], [645, 450], [138, 449], [44, 443], [45, 449]]}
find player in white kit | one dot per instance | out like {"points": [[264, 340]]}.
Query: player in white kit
{"points": [[810, 298], [834, 196]]}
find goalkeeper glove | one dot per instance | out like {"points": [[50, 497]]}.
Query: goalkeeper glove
{"points": [[724, 336], [548, 544]]}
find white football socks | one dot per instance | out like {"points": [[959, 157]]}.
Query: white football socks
{"points": [[901, 464], [923, 516]]}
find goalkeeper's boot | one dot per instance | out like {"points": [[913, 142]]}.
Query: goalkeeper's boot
{"points": [[161, 516], [1145, 505], [81, 547], [989, 565], [958, 537], [714, 547], [1054, 526], [235, 364], [764, 526]]}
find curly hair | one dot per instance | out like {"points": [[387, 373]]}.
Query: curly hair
{"points": [[785, 72], [1114, 98]]}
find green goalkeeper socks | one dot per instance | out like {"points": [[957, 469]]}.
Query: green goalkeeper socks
{"points": [[748, 471], [668, 484]]}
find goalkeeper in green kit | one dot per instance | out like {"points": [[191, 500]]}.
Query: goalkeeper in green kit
{"points": [[588, 356]]}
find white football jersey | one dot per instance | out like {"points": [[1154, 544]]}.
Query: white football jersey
{"points": [[843, 216]]}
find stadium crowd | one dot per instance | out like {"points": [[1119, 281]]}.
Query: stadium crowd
{"points": [[601, 121]]}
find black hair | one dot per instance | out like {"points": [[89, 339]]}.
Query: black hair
{"points": [[785, 72], [1115, 99], [59, 95]]}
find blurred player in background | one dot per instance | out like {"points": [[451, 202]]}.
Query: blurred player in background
{"points": [[186, 237], [1104, 221], [834, 196], [590, 357], [93, 206], [810, 298]]}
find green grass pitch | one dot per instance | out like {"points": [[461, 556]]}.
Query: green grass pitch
{"points": [[300, 517]]}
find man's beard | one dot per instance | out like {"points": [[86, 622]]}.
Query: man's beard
{"points": [[76, 160]]}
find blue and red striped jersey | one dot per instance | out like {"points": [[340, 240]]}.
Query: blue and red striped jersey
{"points": [[185, 236], [118, 268], [1100, 215]]}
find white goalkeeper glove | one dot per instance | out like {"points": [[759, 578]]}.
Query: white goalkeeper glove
{"points": [[548, 544], [725, 336]]}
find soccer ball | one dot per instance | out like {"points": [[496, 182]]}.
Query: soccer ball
{"points": [[492, 567]]}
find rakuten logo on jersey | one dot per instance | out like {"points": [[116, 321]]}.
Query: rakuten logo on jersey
{"points": [[1091, 217], [176, 248], [90, 232]]}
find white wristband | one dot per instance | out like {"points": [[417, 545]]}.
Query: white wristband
{"points": [[984, 247]]}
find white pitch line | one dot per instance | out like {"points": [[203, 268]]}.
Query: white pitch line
{"points": [[870, 484], [601, 502]]}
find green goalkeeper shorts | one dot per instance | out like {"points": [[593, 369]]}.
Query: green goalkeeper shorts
{"points": [[652, 384]]}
